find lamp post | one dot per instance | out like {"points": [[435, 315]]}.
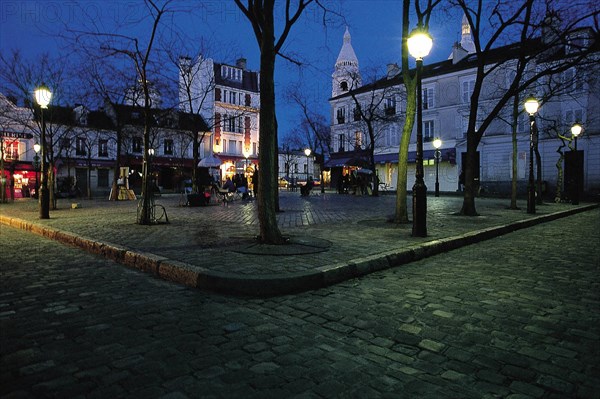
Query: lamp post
{"points": [[531, 106], [36, 166], [43, 95], [437, 143], [419, 44], [307, 153], [575, 132]]}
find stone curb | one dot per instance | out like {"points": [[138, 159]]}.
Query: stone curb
{"points": [[273, 285]]}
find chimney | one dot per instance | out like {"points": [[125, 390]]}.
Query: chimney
{"points": [[241, 63], [458, 53], [392, 70]]}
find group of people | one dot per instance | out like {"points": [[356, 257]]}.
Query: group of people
{"points": [[239, 184], [355, 183]]}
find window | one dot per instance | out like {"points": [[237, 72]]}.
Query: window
{"points": [[102, 148], [232, 146], [11, 150], [224, 146], [428, 130], [232, 97], [467, 90], [248, 100], [358, 139], [137, 144], [391, 137], [344, 85], [231, 73], [390, 106], [428, 98], [341, 115], [254, 149], [356, 114], [103, 175], [168, 147], [80, 146], [572, 80], [342, 142], [573, 116]]}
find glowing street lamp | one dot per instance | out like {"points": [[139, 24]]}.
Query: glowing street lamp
{"points": [[307, 152], [437, 143], [576, 130], [43, 95], [36, 166], [531, 107], [419, 44]]}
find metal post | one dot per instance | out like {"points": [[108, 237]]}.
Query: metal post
{"points": [[575, 199], [531, 184], [44, 193], [437, 168], [419, 228]]}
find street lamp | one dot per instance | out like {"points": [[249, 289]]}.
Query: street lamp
{"points": [[307, 153], [419, 44], [575, 132], [437, 143], [36, 166], [531, 106], [43, 95]]}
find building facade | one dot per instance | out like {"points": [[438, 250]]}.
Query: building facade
{"points": [[447, 88], [228, 99]]}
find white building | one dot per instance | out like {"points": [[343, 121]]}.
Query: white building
{"points": [[228, 98], [447, 87]]}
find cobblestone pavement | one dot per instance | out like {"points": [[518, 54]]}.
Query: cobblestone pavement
{"points": [[207, 237], [513, 317]]}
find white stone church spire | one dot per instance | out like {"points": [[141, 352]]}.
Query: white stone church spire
{"points": [[347, 74], [466, 45]]}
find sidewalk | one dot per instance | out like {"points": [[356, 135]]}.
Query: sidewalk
{"points": [[333, 237]]}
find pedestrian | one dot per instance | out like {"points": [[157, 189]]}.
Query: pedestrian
{"points": [[255, 182]]}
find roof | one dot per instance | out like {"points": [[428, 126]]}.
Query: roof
{"points": [[249, 79], [500, 54]]}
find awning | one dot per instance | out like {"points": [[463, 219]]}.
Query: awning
{"points": [[336, 162], [447, 155]]}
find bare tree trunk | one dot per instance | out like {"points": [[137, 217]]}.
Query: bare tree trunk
{"points": [[267, 187], [468, 207], [401, 215], [513, 191]]}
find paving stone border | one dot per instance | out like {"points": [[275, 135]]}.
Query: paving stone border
{"points": [[266, 285]]}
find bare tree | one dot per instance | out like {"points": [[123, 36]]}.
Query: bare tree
{"points": [[375, 106], [261, 16], [313, 127], [501, 21], [423, 16], [138, 53], [20, 76]]}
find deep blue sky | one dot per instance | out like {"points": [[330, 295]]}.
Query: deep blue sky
{"points": [[375, 26]]}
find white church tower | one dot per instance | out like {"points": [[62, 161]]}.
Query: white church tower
{"points": [[466, 45], [346, 75]]}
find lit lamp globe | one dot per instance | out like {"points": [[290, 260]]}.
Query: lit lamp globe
{"points": [[37, 148], [307, 152], [531, 105], [576, 130], [419, 43], [43, 95], [437, 143]]}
